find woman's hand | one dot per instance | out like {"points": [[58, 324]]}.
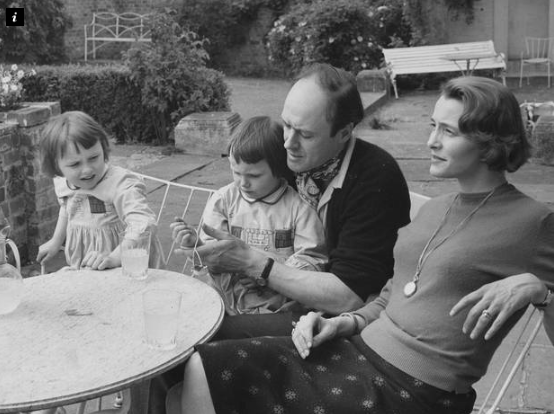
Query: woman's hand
{"points": [[491, 305], [182, 234], [312, 330]]}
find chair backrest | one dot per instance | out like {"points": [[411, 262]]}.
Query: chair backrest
{"points": [[169, 200], [539, 47], [526, 331], [417, 200]]}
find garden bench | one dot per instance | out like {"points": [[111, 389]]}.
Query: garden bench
{"points": [[463, 57], [108, 27]]}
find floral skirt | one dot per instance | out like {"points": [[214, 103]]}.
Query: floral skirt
{"points": [[267, 375]]}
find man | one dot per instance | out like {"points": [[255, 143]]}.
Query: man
{"points": [[358, 191]]}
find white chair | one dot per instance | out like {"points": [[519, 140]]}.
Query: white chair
{"points": [[417, 200], [529, 328], [538, 52], [170, 199]]}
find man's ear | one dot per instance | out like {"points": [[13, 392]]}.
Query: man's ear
{"points": [[344, 134]]}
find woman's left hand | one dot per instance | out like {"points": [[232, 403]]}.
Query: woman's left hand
{"points": [[491, 305]]}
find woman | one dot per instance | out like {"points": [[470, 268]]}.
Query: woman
{"points": [[431, 333]]}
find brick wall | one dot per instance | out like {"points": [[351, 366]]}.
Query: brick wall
{"points": [[27, 197]]}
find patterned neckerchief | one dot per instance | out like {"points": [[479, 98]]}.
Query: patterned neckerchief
{"points": [[311, 184]]}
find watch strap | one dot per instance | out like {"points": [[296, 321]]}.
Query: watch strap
{"points": [[262, 280]]}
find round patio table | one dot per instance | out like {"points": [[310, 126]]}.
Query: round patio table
{"points": [[78, 335]]}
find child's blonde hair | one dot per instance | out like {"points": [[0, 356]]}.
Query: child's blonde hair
{"points": [[73, 127]]}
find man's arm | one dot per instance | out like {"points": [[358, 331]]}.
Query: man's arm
{"points": [[317, 290]]}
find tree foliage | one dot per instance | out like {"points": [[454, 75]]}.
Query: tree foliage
{"points": [[172, 75], [41, 39]]}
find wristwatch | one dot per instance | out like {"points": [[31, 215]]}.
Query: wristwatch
{"points": [[547, 300], [262, 279]]}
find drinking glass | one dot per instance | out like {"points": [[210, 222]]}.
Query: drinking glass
{"points": [[161, 318], [135, 252]]}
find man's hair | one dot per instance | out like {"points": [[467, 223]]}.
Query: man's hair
{"points": [[345, 104], [260, 138], [73, 127], [492, 119]]}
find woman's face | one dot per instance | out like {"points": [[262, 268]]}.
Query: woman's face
{"points": [[452, 154]]}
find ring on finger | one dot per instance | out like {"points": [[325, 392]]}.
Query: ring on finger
{"points": [[486, 314]]}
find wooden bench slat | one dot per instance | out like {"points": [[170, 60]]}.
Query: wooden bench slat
{"points": [[434, 59]]}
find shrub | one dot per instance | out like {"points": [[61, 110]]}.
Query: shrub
{"points": [[172, 75], [41, 39], [104, 92], [344, 33]]}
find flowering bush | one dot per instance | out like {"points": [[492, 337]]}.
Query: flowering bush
{"points": [[11, 89], [345, 33]]}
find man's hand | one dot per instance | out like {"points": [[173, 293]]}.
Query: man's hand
{"points": [[226, 253]]}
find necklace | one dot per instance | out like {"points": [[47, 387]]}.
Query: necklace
{"points": [[411, 287]]}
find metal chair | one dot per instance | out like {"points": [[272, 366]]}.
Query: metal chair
{"points": [[526, 336], [171, 199], [538, 52]]}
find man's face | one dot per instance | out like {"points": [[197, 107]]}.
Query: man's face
{"points": [[307, 131]]}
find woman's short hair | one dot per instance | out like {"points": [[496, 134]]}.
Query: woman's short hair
{"points": [[260, 138], [73, 127], [345, 104], [491, 118]]}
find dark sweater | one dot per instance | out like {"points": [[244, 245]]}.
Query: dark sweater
{"points": [[363, 219]]}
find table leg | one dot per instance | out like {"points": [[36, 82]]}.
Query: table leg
{"points": [[140, 394]]}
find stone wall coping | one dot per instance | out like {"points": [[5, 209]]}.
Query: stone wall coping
{"points": [[211, 116], [31, 114]]}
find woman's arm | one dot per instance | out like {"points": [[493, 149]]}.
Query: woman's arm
{"points": [[500, 300]]}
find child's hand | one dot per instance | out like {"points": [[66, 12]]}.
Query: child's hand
{"points": [[100, 261], [182, 234], [47, 251]]}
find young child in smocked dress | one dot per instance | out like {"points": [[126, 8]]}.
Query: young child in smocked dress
{"points": [[261, 209], [97, 200]]}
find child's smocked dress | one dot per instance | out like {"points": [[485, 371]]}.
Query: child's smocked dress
{"points": [[97, 217]]}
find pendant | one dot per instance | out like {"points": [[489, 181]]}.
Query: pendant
{"points": [[410, 288]]}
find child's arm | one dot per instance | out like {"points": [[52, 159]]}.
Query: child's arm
{"points": [[214, 214], [49, 249], [310, 252], [184, 235]]}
